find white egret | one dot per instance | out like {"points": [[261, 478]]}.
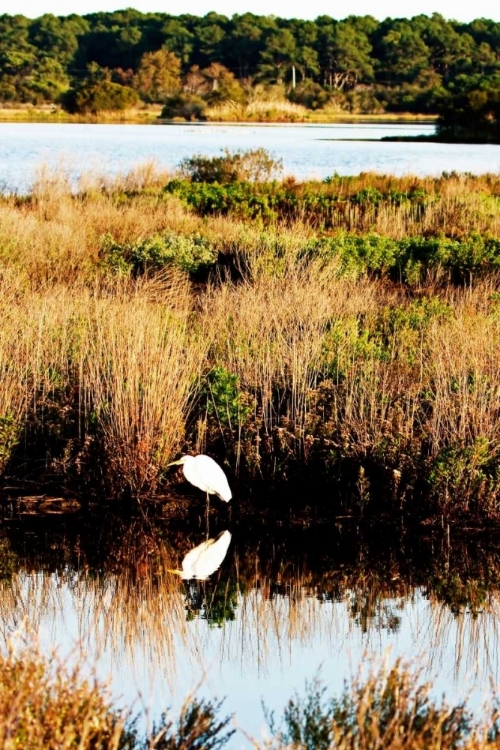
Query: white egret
{"points": [[203, 560], [203, 472]]}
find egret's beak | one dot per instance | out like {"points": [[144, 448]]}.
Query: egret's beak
{"points": [[174, 463], [177, 572]]}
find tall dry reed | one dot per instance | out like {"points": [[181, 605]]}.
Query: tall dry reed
{"points": [[141, 366]]}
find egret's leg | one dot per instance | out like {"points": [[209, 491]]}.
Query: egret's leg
{"points": [[208, 508]]}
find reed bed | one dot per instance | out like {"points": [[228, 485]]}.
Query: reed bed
{"points": [[272, 110], [137, 325], [115, 363]]}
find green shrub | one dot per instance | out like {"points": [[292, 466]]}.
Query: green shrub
{"points": [[225, 404], [411, 259], [357, 254], [463, 473], [187, 106], [100, 96], [239, 199], [190, 253], [198, 728], [310, 94]]}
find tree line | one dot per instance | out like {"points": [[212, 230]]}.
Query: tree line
{"points": [[359, 64]]}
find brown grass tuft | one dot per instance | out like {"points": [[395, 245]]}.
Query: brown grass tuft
{"points": [[46, 704]]}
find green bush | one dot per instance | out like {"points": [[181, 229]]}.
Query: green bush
{"points": [[186, 106], [410, 259], [225, 404], [386, 709], [100, 96], [190, 253], [198, 728], [310, 94], [323, 205], [239, 199]]}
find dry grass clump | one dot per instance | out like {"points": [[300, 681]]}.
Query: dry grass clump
{"points": [[46, 704], [20, 341], [385, 707], [282, 334], [463, 371], [354, 368], [140, 369], [267, 110], [55, 235], [147, 176], [110, 368], [270, 331]]}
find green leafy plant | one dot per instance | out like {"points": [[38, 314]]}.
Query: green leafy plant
{"points": [[225, 403], [190, 253]]}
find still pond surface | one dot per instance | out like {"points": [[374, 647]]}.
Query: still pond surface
{"points": [[283, 604], [306, 150]]}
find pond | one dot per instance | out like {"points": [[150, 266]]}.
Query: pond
{"points": [[306, 150], [286, 604]]}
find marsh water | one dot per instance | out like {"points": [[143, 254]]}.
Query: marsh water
{"points": [[287, 602], [290, 599], [306, 150]]}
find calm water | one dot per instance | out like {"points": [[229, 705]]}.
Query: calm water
{"points": [[282, 606], [306, 150]]}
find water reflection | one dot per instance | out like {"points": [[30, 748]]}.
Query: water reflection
{"points": [[277, 605], [204, 559]]}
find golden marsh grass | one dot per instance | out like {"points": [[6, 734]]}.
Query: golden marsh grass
{"points": [[323, 359]]}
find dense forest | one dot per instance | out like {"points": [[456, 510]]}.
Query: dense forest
{"points": [[105, 61]]}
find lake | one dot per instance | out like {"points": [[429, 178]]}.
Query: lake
{"points": [[306, 150]]}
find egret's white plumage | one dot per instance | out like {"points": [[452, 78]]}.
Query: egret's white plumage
{"points": [[203, 472], [203, 560]]}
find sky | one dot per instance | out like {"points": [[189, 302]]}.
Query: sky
{"points": [[450, 9]]}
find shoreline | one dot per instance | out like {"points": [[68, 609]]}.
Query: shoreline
{"points": [[152, 117]]}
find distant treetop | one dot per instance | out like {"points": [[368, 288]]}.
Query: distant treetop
{"points": [[359, 64]]}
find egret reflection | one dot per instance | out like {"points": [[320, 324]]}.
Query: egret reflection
{"points": [[206, 558]]}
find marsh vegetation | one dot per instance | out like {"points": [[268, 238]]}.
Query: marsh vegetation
{"points": [[342, 334]]}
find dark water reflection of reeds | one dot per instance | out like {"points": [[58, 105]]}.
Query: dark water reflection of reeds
{"points": [[284, 603]]}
